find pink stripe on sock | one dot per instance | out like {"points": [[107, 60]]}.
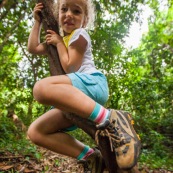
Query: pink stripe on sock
{"points": [[101, 115], [88, 154]]}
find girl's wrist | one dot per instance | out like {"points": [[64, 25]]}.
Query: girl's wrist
{"points": [[57, 44], [60, 42], [37, 21]]}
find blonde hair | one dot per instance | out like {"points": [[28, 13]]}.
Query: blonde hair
{"points": [[89, 12]]}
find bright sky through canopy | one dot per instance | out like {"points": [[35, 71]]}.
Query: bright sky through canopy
{"points": [[137, 30]]}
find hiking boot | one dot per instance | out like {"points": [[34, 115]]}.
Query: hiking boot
{"points": [[122, 137], [93, 163], [127, 144]]}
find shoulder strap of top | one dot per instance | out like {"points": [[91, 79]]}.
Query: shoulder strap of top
{"points": [[75, 35], [67, 38]]}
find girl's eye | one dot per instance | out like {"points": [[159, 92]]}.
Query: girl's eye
{"points": [[76, 11], [63, 9]]}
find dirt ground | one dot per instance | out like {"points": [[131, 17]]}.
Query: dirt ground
{"points": [[49, 163]]}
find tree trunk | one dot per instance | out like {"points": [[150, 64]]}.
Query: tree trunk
{"points": [[86, 125]]}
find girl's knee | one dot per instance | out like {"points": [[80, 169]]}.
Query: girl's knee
{"points": [[39, 91], [34, 135]]}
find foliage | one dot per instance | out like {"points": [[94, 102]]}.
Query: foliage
{"points": [[19, 70], [153, 161], [10, 137], [152, 78], [79, 134]]}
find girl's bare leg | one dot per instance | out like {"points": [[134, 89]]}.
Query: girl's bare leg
{"points": [[59, 92], [45, 132]]}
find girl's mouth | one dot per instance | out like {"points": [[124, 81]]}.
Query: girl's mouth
{"points": [[68, 23]]}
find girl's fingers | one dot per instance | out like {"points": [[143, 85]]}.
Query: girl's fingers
{"points": [[39, 4], [51, 32], [48, 35], [37, 10]]}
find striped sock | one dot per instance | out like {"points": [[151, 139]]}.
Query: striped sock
{"points": [[87, 151], [99, 114]]}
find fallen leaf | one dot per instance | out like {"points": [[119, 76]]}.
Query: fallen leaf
{"points": [[4, 168]]}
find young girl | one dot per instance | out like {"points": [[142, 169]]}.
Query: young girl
{"points": [[83, 90]]}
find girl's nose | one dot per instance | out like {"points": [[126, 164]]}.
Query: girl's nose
{"points": [[69, 13]]}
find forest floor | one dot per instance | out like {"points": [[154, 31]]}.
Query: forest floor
{"points": [[49, 163]]}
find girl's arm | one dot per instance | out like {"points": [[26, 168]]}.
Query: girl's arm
{"points": [[34, 45], [71, 57]]}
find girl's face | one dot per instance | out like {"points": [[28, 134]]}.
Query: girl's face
{"points": [[72, 15]]}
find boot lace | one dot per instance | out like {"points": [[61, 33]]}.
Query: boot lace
{"points": [[114, 134]]}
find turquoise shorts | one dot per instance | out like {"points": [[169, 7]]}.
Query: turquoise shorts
{"points": [[93, 85]]}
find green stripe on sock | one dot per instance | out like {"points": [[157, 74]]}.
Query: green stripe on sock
{"points": [[83, 153], [95, 112]]}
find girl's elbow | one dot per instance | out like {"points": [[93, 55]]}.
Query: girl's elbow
{"points": [[37, 50], [30, 50], [33, 50], [66, 69], [70, 69]]}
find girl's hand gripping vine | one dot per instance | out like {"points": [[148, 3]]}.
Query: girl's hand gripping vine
{"points": [[53, 38], [37, 9]]}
